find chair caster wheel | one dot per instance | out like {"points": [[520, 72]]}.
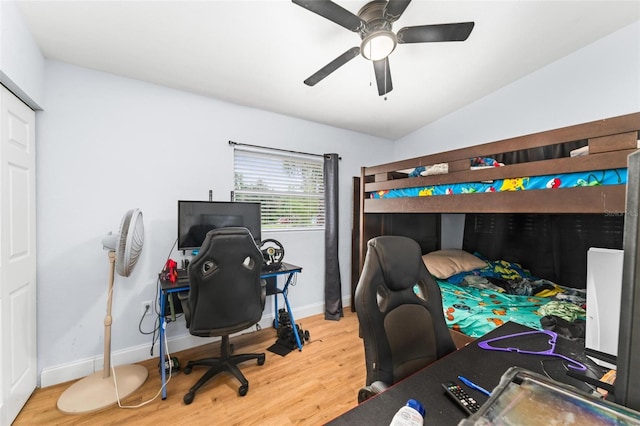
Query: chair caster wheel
{"points": [[187, 370], [306, 335], [242, 390], [261, 359], [188, 398]]}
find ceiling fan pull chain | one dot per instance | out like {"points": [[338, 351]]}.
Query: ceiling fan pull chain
{"points": [[386, 73], [370, 75]]}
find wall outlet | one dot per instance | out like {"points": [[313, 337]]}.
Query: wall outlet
{"points": [[146, 308]]}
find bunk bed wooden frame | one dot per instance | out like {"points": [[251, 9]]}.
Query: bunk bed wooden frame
{"points": [[610, 142]]}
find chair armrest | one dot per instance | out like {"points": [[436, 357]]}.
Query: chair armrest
{"points": [[186, 307], [263, 293], [371, 390]]}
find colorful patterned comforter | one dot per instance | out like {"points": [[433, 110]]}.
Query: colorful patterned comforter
{"points": [[476, 302], [561, 180], [475, 311]]}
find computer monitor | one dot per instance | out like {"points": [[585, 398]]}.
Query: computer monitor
{"points": [[627, 385], [196, 218]]}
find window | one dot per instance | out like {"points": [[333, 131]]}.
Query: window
{"points": [[289, 187]]}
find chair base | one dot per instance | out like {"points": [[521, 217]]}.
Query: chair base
{"points": [[226, 363]]}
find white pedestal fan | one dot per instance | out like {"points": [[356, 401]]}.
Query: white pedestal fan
{"points": [[98, 390]]}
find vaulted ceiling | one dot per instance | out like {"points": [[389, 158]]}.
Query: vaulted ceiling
{"points": [[258, 53]]}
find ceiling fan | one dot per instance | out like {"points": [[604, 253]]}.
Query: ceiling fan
{"points": [[373, 23]]}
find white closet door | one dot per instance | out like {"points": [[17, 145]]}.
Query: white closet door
{"points": [[18, 372]]}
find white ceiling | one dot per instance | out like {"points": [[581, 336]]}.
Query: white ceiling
{"points": [[257, 53]]}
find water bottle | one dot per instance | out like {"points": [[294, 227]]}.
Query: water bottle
{"points": [[411, 414]]}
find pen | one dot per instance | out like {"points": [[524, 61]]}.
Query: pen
{"points": [[474, 386]]}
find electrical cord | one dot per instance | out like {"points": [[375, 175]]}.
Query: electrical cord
{"points": [[156, 306], [294, 281], [115, 381], [140, 324]]}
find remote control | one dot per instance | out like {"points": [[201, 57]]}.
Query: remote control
{"points": [[455, 392]]}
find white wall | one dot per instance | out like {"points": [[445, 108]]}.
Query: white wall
{"points": [[21, 63], [599, 81], [107, 144]]}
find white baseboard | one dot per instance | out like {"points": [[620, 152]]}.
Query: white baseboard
{"points": [[74, 370]]}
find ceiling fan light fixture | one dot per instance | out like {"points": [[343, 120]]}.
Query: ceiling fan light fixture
{"points": [[378, 45]]}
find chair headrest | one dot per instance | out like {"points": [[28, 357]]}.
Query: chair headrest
{"points": [[228, 234], [230, 231], [400, 260]]}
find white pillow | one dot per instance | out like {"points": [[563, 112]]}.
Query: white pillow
{"points": [[445, 263]]}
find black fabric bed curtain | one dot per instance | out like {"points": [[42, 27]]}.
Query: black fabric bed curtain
{"points": [[332, 282], [551, 246], [541, 153]]}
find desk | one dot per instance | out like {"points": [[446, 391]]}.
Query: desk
{"points": [[480, 366], [168, 288]]}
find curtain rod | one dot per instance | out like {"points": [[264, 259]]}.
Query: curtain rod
{"points": [[278, 149]]}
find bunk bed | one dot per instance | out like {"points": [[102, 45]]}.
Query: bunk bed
{"points": [[517, 175]]}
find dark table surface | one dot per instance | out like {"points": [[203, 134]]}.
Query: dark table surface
{"points": [[183, 279], [482, 367]]}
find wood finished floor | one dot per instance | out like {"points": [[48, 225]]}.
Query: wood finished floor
{"points": [[309, 387]]}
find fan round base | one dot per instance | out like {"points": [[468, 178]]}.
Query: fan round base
{"points": [[94, 392]]}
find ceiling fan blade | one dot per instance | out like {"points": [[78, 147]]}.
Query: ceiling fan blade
{"points": [[435, 33], [332, 66], [394, 9], [383, 76], [333, 12]]}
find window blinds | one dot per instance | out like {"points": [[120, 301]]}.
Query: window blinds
{"points": [[289, 187]]}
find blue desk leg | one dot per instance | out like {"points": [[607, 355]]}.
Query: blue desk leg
{"points": [[286, 301], [162, 324]]}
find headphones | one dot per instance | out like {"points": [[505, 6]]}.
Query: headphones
{"points": [[272, 253]]}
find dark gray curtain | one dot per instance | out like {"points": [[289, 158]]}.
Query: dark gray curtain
{"points": [[332, 282]]}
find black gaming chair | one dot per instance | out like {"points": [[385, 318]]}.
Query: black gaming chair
{"points": [[225, 297], [399, 308]]}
